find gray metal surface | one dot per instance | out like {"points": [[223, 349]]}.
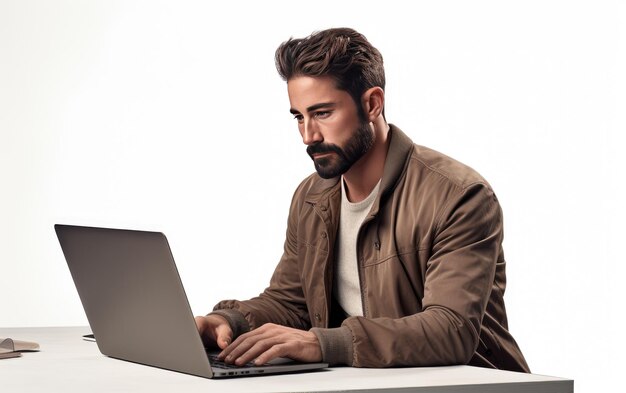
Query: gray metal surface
{"points": [[133, 297]]}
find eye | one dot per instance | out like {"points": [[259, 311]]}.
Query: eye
{"points": [[322, 114], [299, 118]]}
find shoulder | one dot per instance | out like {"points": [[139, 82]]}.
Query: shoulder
{"points": [[446, 185], [456, 190], [436, 168], [426, 168]]}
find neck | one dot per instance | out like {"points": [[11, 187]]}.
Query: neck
{"points": [[363, 176]]}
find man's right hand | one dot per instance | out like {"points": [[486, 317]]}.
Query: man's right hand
{"points": [[214, 329]]}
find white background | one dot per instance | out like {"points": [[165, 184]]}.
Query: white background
{"points": [[170, 116]]}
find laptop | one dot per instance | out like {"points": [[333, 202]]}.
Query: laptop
{"points": [[136, 305]]}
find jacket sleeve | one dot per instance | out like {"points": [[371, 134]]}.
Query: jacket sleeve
{"points": [[282, 302], [457, 285]]}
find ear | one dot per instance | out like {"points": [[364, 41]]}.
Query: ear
{"points": [[373, 102]]}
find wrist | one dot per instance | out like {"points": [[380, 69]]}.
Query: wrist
{"points": [[335, 345], [238, 323]]}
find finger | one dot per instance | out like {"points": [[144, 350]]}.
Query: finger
{"points": [[242, 345], [244, 342], [256, 350], [204, 329], [276, 351], [214, 330], [224, 335], [232, 346], [199, 322], [239, 346]]}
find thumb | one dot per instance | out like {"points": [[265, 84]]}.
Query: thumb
{"points": [[224, 335]]}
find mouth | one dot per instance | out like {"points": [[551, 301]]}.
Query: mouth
{"points": [[320, 155]]}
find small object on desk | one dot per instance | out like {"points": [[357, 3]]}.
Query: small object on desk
{"points": [[7, 355], [89, 337], [10, 348]]}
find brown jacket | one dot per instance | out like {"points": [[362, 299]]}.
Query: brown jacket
{"points": [[432, 269]]}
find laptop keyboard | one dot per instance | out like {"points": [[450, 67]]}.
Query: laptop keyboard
{"points": [[215, 362]]}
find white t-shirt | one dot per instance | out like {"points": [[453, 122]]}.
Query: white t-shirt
{"points": [[347, 285]]}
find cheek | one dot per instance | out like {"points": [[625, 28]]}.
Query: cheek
{"points": [[343, 129]]}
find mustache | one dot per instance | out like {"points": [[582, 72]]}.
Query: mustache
{"points": [[321, 148]]}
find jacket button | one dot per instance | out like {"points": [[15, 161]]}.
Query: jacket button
{"points": [[377, 245], [324, 235], [323, 208], [318, 317]]}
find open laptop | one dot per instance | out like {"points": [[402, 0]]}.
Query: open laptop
{"points": [[136, 305]]}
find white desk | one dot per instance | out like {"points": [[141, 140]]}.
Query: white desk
{"points": [[69, 364]]}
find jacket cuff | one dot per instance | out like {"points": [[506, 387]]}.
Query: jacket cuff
{"points": [[336, 344], [236, 320]]}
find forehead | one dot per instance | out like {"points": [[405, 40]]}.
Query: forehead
{"points": [[305, 91]]}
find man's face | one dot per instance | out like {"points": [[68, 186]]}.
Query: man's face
{"points": [[330, 125]]}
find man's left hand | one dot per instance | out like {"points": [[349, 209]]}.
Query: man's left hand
{"points": [[271, 341]]}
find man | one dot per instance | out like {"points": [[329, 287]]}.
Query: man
{"points": [[393, 252]]}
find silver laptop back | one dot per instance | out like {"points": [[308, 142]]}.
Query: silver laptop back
{"points": [[133, 297], [136, 304]]}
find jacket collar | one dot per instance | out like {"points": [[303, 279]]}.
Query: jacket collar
{"points": [[400, 146]]}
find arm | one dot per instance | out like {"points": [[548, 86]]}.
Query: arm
{"points": [[457, 285], [274, 323], [282, 302]]}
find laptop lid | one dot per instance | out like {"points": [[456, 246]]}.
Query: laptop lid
{"points": [[135, 302], [133, 297]]}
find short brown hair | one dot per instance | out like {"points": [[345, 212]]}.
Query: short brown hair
{"points": [[341, 53]]}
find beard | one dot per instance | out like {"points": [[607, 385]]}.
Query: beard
{"points": [[341, 159]]}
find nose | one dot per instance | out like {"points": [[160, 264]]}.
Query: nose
{"points": [[310, 133]]}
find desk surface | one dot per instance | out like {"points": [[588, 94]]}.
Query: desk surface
{"points": [[68, 363]]}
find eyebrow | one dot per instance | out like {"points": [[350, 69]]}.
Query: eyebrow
{"points": [[314, 107]]}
